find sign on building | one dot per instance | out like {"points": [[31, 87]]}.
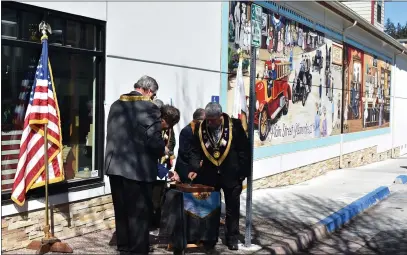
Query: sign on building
{"points": [[256, 21]]}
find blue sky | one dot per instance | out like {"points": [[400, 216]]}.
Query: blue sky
{"points": [[396, 11]]}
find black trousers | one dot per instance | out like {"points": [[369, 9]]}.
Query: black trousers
{"points": [[132, 202], [232, 202]]}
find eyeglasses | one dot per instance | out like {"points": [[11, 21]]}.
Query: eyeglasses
{"points": [[154, 95]]}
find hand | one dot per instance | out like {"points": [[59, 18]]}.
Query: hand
{"points": [[173, 176], [200, 163], [192, 175], [167, 151]]}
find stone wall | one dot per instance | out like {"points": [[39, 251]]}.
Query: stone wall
{"points": [[69, 220], [304, 173], [86, 216]]}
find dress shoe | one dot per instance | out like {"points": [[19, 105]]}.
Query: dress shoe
{"points": [[233, 247]]}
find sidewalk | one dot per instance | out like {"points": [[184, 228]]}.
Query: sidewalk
{"points": [[280, 214]]}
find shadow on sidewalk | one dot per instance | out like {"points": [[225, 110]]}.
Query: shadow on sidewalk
{"points": [[271, 226]]}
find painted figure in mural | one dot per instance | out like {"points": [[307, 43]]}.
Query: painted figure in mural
{"points": [[324, 126], [281, 46], [291, 59], [317, 61], [354, 100], [248, 36], [345, 113], [300, 36], [294, 33], [381, 114], [365, 113], [338, 124], [320, 88], [328, 84], [231, 29], [269, 41], [288, 39], [237, 23], [278, 25], [317, 133], [221, 142], [243, 29]]}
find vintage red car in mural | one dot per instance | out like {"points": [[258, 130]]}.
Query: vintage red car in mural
{"points": [[273, 94]]}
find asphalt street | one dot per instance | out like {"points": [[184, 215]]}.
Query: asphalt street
{"points": [[380, 230]]}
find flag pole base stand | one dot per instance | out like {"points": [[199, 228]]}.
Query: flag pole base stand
{"points": [[49, 245], [251, 248]]}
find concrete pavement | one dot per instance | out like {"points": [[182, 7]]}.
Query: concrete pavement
{"points": [[381, 230], [284, 219]]}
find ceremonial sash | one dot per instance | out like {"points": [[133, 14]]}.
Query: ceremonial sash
{"points": [[132, 98], [192, 124], [166, 134], [216, 152]]}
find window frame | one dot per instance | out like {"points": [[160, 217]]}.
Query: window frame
{"points": [[379, 17], [100, 56]]}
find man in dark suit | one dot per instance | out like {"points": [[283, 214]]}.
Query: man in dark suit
{"points": [[134, 145], [185, 141], [222, 144]]}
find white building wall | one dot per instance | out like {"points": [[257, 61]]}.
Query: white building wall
{"points": [[177, 43], [363, 8], [400, 104]]}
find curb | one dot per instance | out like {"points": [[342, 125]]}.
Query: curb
{"points": [[331, 223], [401, 179]]}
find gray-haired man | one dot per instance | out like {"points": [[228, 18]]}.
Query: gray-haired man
{"points": [[221, 143], [134, 145]]}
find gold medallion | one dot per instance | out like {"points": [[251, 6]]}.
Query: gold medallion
{"points": [[216, 154]]}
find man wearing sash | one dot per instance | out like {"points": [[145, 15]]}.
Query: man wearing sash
{"points": [[134, 144], [222, 144], [185, 141]]}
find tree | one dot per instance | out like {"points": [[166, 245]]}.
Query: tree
{"points": [[399, 32], [389, 28]]}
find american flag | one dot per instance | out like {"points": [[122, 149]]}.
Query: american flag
{"points": [[42, 110]]}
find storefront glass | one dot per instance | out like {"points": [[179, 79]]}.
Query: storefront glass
{"points": [[77, 79]]}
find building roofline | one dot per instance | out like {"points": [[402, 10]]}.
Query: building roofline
{"points": [[352, 16]]}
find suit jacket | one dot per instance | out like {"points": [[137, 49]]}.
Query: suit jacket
{"points": [[235, 166], [134, 142], [185, 142]]}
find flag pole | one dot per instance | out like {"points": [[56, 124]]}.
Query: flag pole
{"points": [[46, 227], [49, 243]]}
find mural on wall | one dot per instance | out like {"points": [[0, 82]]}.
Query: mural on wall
{"points": [[367, 91], [298, 78]]}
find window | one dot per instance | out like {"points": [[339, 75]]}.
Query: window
{"points": [[76, 53], [379, 12]]}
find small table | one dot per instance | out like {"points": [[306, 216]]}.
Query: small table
{"points": [[190, 216]]}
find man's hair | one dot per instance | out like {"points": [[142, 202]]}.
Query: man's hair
{"points": [[213, 110], [170, 114], [158, 103], [198, 114], [147, 82]]}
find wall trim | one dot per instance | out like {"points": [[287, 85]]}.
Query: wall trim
{"points": [[63, 198], [287, 148]]}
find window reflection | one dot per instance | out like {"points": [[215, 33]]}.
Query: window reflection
{"points": [[74, 80]]}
